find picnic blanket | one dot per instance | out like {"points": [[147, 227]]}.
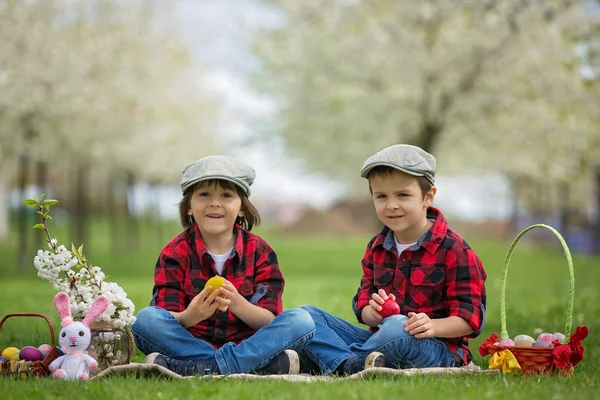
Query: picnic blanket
{"points": [[152, 370]]}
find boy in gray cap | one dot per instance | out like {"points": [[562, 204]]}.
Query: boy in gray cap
{"points": [[240, 326], [422, 292]]}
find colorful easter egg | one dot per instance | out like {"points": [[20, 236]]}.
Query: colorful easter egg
{"points": [[507, 342], [45, 349], [14, 356], [545, 337], [519, 338], [558, 336], [2, 359], [215, 282], [543, 343], [523, 343], [9, 351], [30, 353]]}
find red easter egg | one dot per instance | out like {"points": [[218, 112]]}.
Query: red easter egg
{"points": [[30, 353], [389, 307]]}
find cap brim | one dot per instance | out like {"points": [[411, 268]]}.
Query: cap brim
{"points": [[207, 178], [365, 172]]}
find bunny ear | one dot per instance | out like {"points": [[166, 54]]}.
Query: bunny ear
{"points": [[98, 307], [63, 306]]}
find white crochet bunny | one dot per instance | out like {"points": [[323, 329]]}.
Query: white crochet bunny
{"points": [[74, 339]]}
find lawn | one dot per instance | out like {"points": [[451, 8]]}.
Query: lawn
{"points": [[325, 272]]}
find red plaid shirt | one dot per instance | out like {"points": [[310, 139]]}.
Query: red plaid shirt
{"points": [[440, 276], [184, 266]]}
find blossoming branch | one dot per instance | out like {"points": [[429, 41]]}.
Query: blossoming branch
{"points": [[70, 272]]}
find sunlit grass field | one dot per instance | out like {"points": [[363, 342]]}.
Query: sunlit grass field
{"points": [[324, 271]]}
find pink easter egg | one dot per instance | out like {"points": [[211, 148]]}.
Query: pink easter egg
{"points": [[45, 349], [507, 342], [30, 353], [545, 337]]}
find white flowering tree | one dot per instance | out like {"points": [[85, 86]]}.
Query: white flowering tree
{"points": [[96, 89], [488, 85], [351, 77]]}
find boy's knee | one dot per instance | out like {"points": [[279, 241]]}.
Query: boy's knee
{"points": [[393, 325], [312, 310], [300, 320], [145, 320]]}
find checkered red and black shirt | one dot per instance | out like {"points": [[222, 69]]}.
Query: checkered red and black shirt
{"points": [[440, 276], [184, 266]]}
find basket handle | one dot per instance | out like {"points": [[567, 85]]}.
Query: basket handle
{"points": [[7, 316], [569, 323]]}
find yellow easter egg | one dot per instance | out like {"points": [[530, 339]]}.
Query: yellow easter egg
{"points": [[9, 351], [215, 282], [14, 356]]}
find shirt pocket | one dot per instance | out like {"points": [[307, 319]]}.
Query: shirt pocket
{"points": [[383, 278], [427, 285], [244, 286]]}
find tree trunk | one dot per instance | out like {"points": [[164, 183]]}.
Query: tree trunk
{"points": [[79, 221], [23, 214], [597, 222], [564, 198], [428, 136], [112, 212], [133, 231], [41, 172], [3, 208], [513, 225], [158, 223]]}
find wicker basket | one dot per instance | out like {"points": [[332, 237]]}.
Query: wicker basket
{"points": [[536, 360], [25, 369]]}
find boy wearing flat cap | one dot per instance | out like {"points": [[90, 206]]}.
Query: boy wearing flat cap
{"points": [[239, 327], [416, 261]]}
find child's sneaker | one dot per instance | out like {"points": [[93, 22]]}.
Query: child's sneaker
{"points": [[360, 363], [287, 362], [184, 367]]}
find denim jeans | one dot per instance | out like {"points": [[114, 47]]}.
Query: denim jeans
{"points": [[157, 330], [336, 340]]}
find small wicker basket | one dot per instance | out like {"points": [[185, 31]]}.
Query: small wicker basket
{"points": [[536, 360], [25, 369]]}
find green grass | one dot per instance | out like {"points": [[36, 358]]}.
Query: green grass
{"points": [[325, 272]]}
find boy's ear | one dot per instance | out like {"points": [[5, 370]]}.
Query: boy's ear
{"points": [[241, 213], [190, 212], [429, 196]]}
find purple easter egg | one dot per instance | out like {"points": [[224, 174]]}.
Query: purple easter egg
{"points": [[30, 353], [45, 349], [507, 342], [558, 336], [542, 343], [2, 359], [545, 337]]}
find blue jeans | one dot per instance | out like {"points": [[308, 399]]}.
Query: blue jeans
{"points": [[157, 330], [336, 340]]}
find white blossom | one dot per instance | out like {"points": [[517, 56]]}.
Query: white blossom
{"points": [[83, 285]]}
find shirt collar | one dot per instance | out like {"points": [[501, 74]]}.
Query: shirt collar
{"points": [[200, 246], [430, 240]]}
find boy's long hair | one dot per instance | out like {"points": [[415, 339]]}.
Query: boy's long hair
{"points": [[251, 216], [424, 184]]}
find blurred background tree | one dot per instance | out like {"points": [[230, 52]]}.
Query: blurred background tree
{"points": [[485, 85], [94, 97]]}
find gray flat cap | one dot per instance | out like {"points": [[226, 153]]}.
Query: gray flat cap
{"points": [[218, 167], [409, 159]]}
